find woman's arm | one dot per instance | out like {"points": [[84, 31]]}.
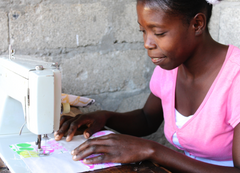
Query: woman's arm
{"points": [[127, 149], [140, 122]]}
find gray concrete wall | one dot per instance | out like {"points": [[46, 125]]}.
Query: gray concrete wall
{"points": [[98, 45], [225, 25]]}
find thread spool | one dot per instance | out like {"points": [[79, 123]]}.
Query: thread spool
{"points": [[65, 108]]}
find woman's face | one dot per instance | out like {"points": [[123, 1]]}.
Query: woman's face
{"points": [[168, 40]]}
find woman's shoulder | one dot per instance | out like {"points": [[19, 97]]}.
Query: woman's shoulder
{"points": [[160, 72], [233, 55], [231, 66], [162, 81], [159, 75]]}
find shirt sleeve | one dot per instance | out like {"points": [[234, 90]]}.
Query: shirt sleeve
{"points": [[154, 82], [234, 101]]}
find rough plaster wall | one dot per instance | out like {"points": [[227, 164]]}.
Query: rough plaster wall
{"points": [[225, 26], [97, 44]]}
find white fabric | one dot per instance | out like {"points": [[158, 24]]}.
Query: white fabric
{"points": [[180, 121], [76, 100], [60, 158], [59, 163]]}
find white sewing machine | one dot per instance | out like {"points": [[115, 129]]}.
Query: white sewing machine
{"points": [[30, 104]]}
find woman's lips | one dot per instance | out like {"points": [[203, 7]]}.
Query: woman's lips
{"points": [[157, 60]]}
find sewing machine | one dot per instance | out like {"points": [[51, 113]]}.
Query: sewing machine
{"points": [[30, 104]]}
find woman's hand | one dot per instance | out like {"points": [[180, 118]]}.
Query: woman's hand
{"points": [[116, 148], [95, 122]]}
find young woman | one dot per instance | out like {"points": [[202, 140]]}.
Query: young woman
{"points": [[194, 88]]}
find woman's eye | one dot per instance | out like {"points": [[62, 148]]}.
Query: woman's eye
{"points": [[160, 34], [142, 31]]}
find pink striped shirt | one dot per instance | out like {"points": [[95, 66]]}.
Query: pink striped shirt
{"points": [[209, 133]]}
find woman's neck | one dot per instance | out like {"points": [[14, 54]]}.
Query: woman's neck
{"points": [[209, 56]]}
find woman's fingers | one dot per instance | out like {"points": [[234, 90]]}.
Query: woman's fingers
{"points": [[92, 128], [92, 154], [95, 122], [63, 129], [117, 148], [63, 119], [101, 158], [94, 150], [67, 123], [72, 129]]}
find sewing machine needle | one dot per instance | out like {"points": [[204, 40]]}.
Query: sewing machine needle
{"points": [[39, 142]]}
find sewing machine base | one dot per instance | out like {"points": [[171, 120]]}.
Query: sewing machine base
{"points": [[12, 160]]}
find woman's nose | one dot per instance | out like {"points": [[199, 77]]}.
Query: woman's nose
{"points": [[149, 42]]}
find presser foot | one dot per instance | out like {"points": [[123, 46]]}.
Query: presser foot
{"points": [[42, 153]]}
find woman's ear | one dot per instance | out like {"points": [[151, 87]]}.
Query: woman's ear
{"points": [[199, 23]]}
